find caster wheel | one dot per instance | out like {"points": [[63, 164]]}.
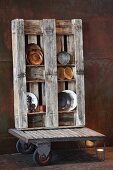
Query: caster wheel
{"points": [[25, 148], [42, 160]]}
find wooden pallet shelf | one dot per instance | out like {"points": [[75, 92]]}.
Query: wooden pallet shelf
{"points": [[53, 36]]}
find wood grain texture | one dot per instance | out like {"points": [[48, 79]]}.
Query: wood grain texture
{"points": [[35, 73], [59, 48], [52, 135], [78, 41], [51, 88], [19, 74], [33, 27]]}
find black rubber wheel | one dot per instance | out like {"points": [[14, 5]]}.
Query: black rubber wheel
{"points": [[25, 148], [42, 160]]}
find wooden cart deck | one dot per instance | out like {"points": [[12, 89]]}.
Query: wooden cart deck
{"points": [[58, 134]]}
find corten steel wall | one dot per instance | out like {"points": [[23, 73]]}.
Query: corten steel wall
{"points": [[98, 55]]}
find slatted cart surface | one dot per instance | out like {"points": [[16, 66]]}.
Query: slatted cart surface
{"points": [[61, 134]]}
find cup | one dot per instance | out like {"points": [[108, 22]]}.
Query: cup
{"points": [[101, 154], [41, 108]]}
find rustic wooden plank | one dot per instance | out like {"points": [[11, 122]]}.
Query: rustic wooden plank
{"points": [[66, 119], [71, 48], [33, 27], [80, 116], [35, 73], [55, 133], [71, 51], [44, 134], [43, 84], [31, 135], [20, 134], [78, 42], [49, 36], [19, 75], [63, 27], [60, 47]]}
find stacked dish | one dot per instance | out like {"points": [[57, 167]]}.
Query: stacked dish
{"points": [[63, 73], [34, 54]]}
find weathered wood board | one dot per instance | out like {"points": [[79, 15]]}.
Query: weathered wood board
{"points": [[57, 134], [19, 74]]}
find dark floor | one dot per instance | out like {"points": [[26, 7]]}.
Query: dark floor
{"points": [[62, 160]]}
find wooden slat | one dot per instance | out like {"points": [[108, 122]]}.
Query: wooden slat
{"points": [[63, 27], [50, 73], [35, 73], [60, 47], [71, 51], [78, 41], [43, 84], [33, 27], [20, 134], [19, 76]]}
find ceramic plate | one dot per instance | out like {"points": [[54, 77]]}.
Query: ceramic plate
{"points": [[73, 99], [63, 57], [31, 98]]}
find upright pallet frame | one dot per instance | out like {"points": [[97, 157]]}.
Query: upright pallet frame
{"points": [[53, 36]]}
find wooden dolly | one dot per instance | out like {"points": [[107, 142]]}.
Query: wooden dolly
{"points": [[40, 140]]}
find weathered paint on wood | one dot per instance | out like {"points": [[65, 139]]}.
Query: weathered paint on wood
{"points": [[43, 83], [63, 27], [33, 27], [51, 87], [60, 47], [79, 75], [19, 71], [36, 73], [72, 84]]}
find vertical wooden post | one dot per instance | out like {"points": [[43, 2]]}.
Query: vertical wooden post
{"points": [[77, 30], [49, 33], [19, 71]]}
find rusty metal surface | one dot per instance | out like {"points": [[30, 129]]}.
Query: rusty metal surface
{"points": [[98, 54]]}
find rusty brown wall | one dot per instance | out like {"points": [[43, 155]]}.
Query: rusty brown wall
{"points": [[98, 55]]}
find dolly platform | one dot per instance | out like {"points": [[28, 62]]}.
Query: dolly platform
{"points": [[41, 139]]}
